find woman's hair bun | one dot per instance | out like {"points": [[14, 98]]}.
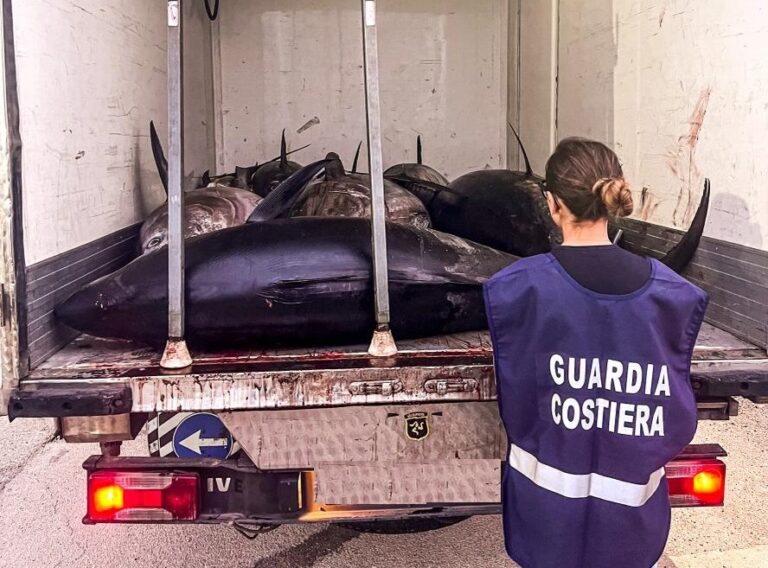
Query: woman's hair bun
{"points": [[615, 195]]}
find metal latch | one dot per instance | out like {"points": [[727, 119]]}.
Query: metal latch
{"points": [[384, 388], [444, 386]]}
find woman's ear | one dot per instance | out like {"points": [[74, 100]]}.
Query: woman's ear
{"points": [[555, 210], [552, 203]]}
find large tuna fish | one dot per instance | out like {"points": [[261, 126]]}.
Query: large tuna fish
{"points": [[338, 194], [205, 209], [280, 281]]}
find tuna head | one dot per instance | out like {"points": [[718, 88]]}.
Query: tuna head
{"points": [[205, 210], [119, 297]]}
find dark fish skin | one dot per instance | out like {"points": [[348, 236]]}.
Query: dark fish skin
{"points": [[297, 281], [417, 170], [270, 175], [502, 209]]}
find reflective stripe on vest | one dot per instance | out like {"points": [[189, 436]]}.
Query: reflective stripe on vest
{"points": [[578, 486]]}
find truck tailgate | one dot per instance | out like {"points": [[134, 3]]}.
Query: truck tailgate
{"points": [[448, 368]]}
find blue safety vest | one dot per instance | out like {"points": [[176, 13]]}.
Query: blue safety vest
{"points": [[595, 395]]}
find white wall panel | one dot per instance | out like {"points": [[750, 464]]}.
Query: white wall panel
{"points": [[443, 75], [91, 74], [538, 74], [680, 90]]}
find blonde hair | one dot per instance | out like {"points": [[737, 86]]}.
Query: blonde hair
{"points": [[587, 176]]}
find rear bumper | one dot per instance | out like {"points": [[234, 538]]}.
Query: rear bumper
{"points": [[234, 491]]}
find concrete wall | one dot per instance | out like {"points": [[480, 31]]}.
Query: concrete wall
{"points": [[91, 74], [680, 90], [298, 66]]}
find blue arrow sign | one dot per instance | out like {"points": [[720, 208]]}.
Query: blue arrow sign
{"points": [[202, 434]]}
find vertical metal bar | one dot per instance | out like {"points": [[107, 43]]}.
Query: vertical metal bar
{"points": [[14, 355], [382, 343], [176, 354]]}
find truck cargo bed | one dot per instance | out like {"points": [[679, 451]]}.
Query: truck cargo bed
{"points": [[456, 367]]}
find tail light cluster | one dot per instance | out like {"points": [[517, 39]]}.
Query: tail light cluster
{"points": [[115, 496], [695, 483]]}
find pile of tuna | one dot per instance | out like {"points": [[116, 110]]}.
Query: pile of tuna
{"points": [[280, 254]]}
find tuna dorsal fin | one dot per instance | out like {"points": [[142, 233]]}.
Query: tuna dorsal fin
{"points": [[528, 169], [287, 154], [205, 180], [280, 200], [357, 156], [418, 149], [283, 154], [157, 152], [334, 169], [681, 254]]}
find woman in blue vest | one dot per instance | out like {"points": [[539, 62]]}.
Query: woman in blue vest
{"points": [[592, 349]]}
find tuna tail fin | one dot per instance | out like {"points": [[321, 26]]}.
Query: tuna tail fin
{"points": [[283, 155], [418, 149], [205, 179], [528, 168], [357, 156], [334, 168], [681, 254], [280, 200], [157, 152], [243, 176]]}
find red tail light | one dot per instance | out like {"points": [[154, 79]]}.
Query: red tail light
{"points": [[115, 496], [696, 482]]}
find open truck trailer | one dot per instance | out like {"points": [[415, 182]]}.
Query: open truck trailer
{"points": [[353, 433]]}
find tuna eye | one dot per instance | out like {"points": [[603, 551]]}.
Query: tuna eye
{"points": [[154, 242]]}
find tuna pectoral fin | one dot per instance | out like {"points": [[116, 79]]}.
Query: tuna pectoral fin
{"points": [[426, 191], [280, 200], [681, 254], [157, 152]]}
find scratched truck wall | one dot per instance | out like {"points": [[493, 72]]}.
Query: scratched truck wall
{"points": [[680, 89], [91, 74], [299, 66]]}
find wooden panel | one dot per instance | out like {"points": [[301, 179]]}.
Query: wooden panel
{"points": [[53, 280], [734, 276]]}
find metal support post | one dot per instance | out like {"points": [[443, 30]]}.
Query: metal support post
{"points": [[176, 354], [382, 344]]}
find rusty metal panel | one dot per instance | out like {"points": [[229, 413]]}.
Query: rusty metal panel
{"points": [[307, 438], [448, 481]]}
